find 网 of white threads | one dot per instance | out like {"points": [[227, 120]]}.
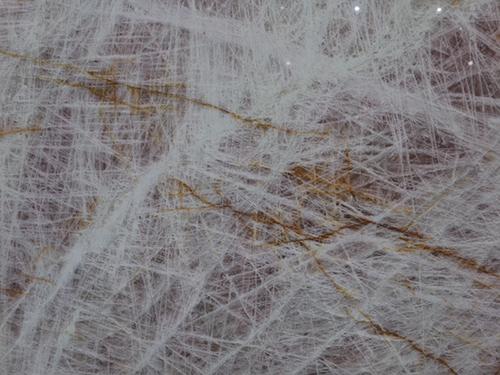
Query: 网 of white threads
{"points": [[244, 187]]}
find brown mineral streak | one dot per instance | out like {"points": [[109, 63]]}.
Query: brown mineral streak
{"points": [[5, 132], [449, 253], [304, 175], [382, 331], [99, 92]]}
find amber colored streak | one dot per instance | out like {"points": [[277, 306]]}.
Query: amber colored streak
{"points": [[256, 216], [236, 116], [100, 76], [406, 283], [82, 219], [196, 195], [361, 222], [248, 121], [95, 74], [466, 262], [12, 292], [320, 237], [20, 130], [268, 220], [101, 93], [304, 174], [403, 230], [378, 328], [31, 277], [41, 253], [329, 277], [382, 331], [488, 285], [182, 209], [470, 342]]}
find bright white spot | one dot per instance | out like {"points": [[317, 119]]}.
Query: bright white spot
{"points": [[356, 9], [439, 10], [471, 63], [288, 63]]}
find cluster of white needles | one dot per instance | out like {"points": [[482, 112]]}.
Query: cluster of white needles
{"points": [[214, 187]]}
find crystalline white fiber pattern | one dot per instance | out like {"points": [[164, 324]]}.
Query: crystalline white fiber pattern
{"points": [[250, 187]]}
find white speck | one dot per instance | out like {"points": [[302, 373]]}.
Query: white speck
{"points": [[356, 9], [288, 63], [471, 63], [282, 7], [439, 10]]}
